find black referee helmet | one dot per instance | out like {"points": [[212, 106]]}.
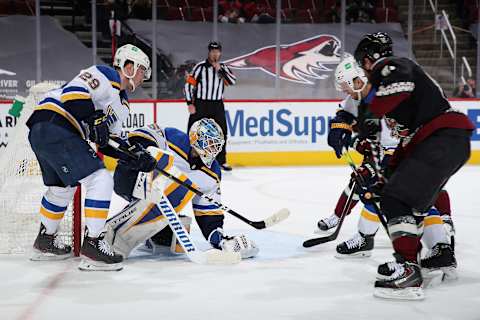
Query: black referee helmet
{"points": [[214, 45]]}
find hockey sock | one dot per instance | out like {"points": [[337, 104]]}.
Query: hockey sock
{"points": [[404, 234], [369, 221], [54, 204], [99, 188], [341, 204], [443, 203], [433, 229]]}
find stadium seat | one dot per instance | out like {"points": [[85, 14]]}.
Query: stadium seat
{"points": [[162, 12], [175, 13], [385, 4], [196, 3], [162, 3], [303, 16], [176, 3], [386, 15], [288, 15], [196, 14], [302, 4], [329, 3], [208, 12]]}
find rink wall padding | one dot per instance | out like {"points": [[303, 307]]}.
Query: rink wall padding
{"points": [[260, 132]]}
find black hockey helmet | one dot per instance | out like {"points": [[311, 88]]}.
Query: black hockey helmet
{"points": [[374, 46], [214, 45]]}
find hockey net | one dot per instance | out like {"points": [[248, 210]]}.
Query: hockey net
{"points": [[21, 189]]}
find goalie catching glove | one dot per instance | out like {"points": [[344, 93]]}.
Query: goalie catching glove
{"points": [[240, 243]]}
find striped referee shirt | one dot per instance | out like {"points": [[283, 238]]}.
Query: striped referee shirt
{"points": [[204, 83]]}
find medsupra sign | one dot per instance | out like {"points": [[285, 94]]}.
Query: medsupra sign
{"points": [[258, 131]]}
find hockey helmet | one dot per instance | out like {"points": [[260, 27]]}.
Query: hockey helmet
{"points": [[374, 46], [214, 45], [347, 71], [206, 138], [134, 54]]}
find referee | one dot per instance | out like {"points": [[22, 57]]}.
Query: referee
{"points": [[204, 93]]}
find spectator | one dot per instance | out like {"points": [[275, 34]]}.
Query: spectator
{"points": [[466, 90], [257, 13], [356, 11], [231, 11]]}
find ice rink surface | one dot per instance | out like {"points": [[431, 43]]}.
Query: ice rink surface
{"points": [[285, 281]]}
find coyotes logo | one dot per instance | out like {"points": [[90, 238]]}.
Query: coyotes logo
{"points": [[300, 62]]}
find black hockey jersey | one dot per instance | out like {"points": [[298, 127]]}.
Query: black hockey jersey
{"points": [[413, 104], [406, 95]]}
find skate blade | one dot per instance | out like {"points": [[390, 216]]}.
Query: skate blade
{"points": [[412, 293], [88, 264], [47, 256], [356, 255]]}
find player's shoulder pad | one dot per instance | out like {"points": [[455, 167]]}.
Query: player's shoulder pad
{"points": [[178, 141], [393, 75], [111, 74]]}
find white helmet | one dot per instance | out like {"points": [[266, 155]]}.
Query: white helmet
{"points": [[347, 71], [206, 138], [132, 53]]}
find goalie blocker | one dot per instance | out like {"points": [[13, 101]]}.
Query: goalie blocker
{"points": [[190, 159]]}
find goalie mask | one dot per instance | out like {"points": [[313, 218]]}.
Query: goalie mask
{"points": [[206, 138], [346, 72], [134, 54]]}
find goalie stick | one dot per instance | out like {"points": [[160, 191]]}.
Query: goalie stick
{"points": [[211, 256], [277, 217]]}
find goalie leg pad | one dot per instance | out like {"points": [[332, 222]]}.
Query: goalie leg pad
{"points": [[135, 224]]}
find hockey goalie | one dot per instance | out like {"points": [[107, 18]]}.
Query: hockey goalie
{"points": [[191, 159]]}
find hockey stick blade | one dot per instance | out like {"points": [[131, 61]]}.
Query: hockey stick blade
{"points": [[277, 217], [316, 241]]}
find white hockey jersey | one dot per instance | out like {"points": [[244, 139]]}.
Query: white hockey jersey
{"points": [[350, 105], [95, 88]]}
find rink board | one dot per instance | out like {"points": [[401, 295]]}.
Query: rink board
{"points": [[262, 133]]}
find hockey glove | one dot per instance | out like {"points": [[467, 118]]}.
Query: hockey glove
{"points": [[372, 193], [98, 128], [366, 174], [144, 162], [340, 133], [362, 146], [369, 129]]}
